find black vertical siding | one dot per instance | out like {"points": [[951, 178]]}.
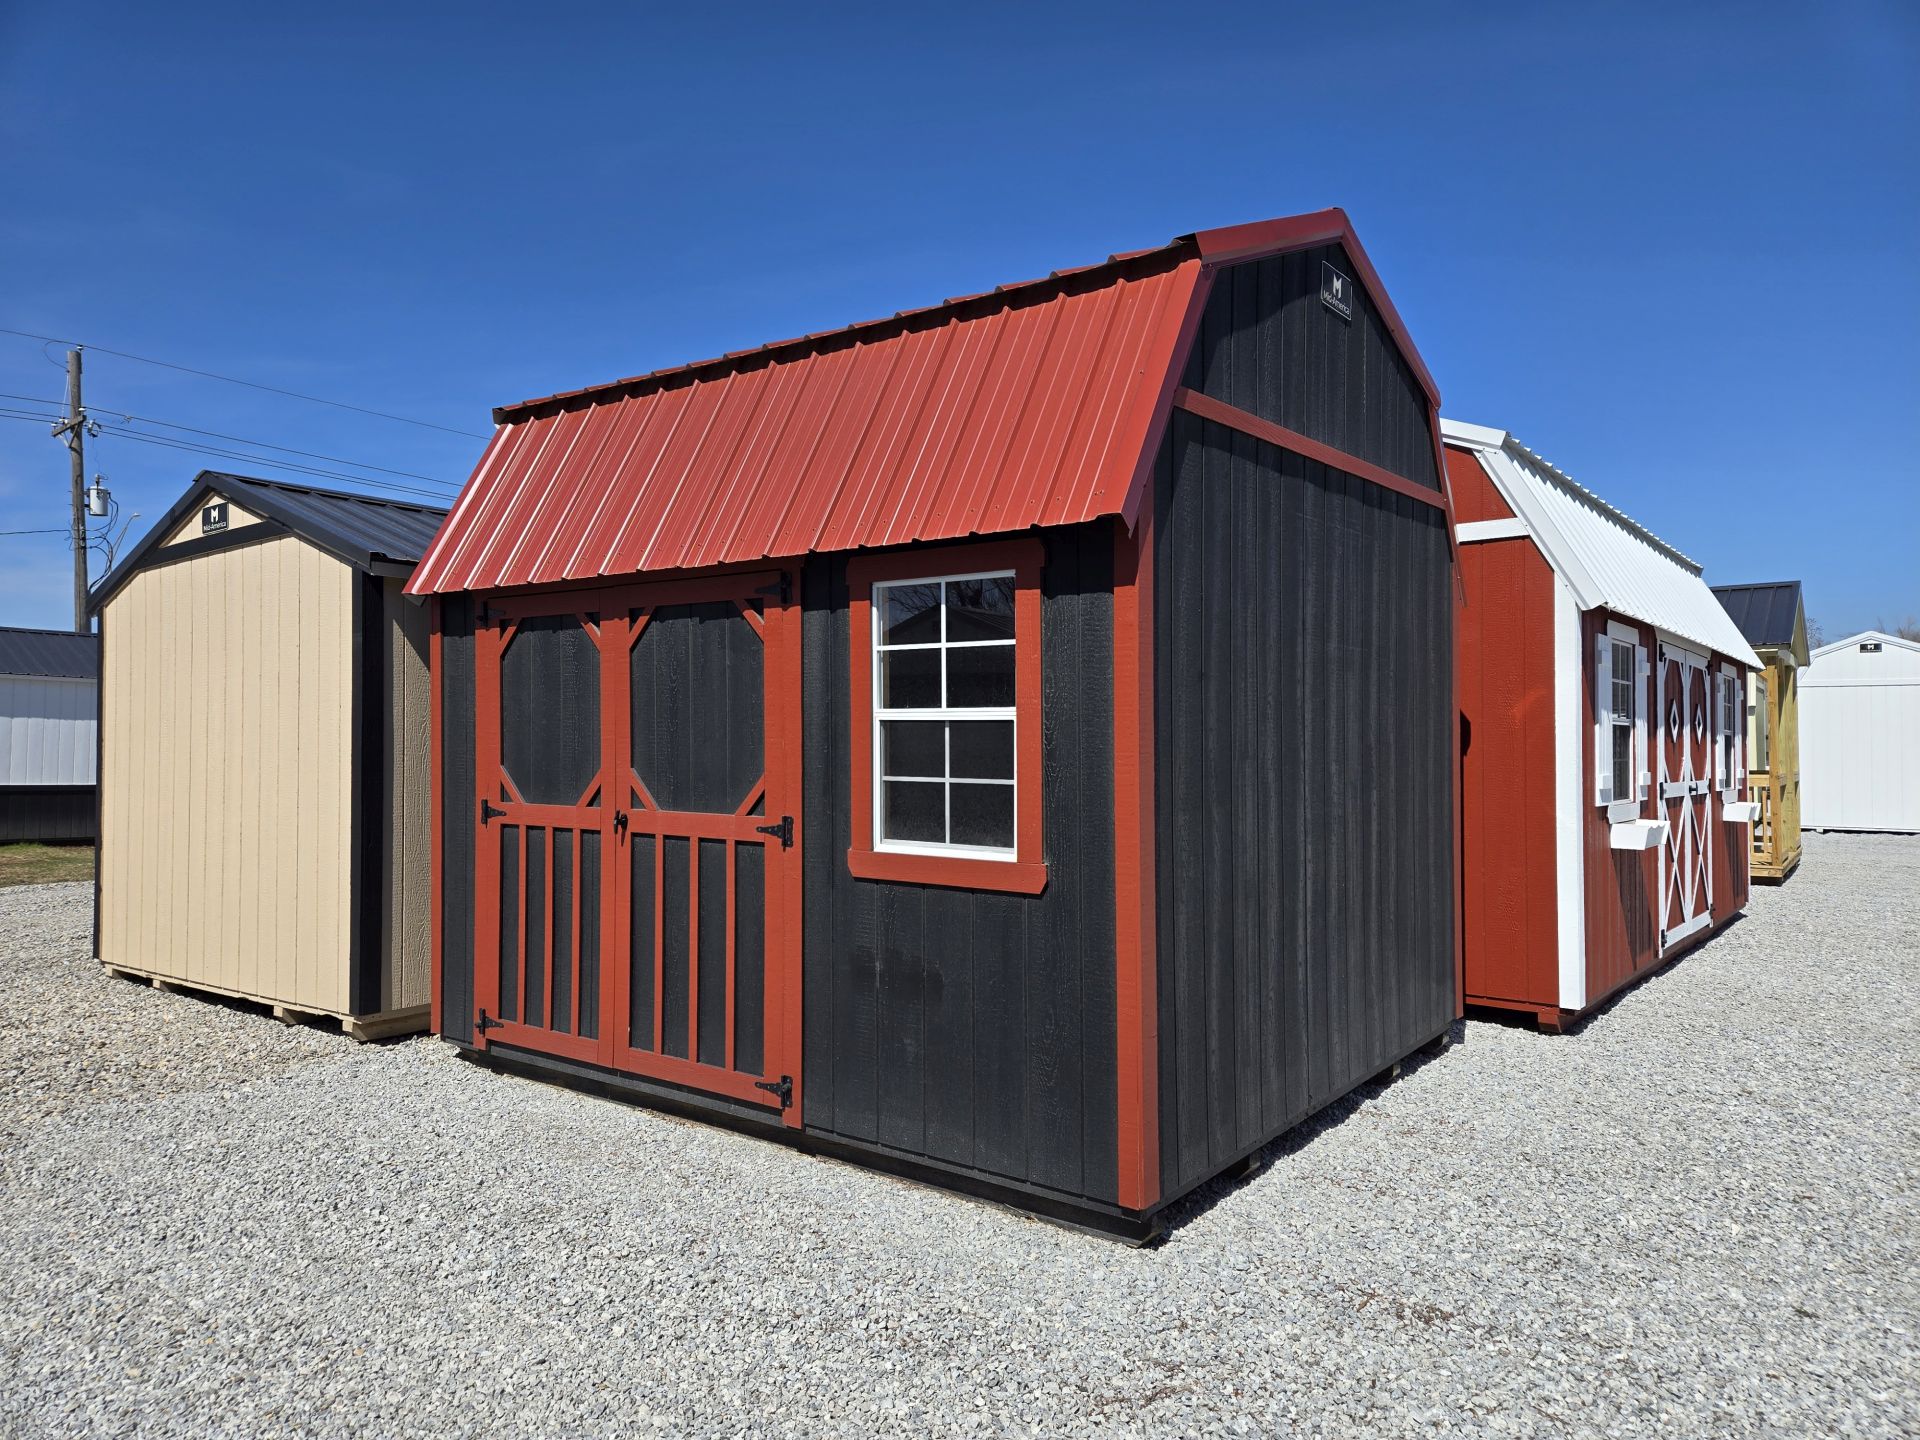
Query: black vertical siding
{"points": [[1269, 346], [1302, 675], [457, 806], [971, 1028]]}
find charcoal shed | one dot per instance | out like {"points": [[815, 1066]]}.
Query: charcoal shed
{"points": [[1008, 744], [1606, 823], [264, 752]]}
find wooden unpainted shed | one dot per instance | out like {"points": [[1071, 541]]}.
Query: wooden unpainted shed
{"points": [[49, 684], [1773, 617], [264, 754], [1860, 735], [1605, 817], [1009, 744]]}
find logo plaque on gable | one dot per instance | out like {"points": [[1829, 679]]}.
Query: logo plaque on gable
{"points": [[213, 519], [1336, 291]]}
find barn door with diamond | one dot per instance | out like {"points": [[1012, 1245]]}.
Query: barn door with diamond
{"points": [[704, 990], [544, 815], [1685, 707]]}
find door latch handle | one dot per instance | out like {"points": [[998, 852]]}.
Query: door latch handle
{"points": [[620, 825]]}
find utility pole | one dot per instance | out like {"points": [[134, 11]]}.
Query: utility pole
{"points": [[76, 429]]}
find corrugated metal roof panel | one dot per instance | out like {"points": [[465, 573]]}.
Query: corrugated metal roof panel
{"points": [[1609, 559], [1028, 405], [1764, 613], [63, 653], [1029, 408], [379, 528]]}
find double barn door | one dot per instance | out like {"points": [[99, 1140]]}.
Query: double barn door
{"points": [[1684, 704], [638, 846]]}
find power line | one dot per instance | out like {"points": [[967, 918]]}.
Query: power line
{"points": [[33, 532], [250, 384], [97, 410], [268, 462]]}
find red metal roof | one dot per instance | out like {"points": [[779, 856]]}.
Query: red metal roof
{"points": [[1037, 404]]}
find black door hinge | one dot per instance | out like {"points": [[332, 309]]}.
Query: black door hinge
{"points": [[783, 1087], [488, 810], [782, 588], [485, 1023], [783, 831]]}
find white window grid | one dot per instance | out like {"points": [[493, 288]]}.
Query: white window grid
{"points": [[881, 714], [1730, 728], [1623, 675]]}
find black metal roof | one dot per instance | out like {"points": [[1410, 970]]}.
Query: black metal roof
{"points": [[65, 653], [365, 531], [1764, 613]]}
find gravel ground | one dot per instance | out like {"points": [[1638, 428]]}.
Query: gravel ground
{"points": [[1695, 1216]]}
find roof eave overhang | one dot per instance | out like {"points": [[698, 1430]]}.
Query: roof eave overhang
{"points": [[219, 482]]}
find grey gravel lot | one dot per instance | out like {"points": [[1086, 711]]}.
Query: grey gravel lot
{"points": [[1694, 1216]]}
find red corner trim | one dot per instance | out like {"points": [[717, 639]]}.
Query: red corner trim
{"points": [[1234, 418], [437, 799], [1026, 874]]}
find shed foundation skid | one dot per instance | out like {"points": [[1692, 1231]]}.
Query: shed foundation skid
{"points": [[385, 1025], [1009, 745]]}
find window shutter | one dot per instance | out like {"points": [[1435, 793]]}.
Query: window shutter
{"points": [[1603, 720], [1642, 755], [1740, 736], [1725, 751]]}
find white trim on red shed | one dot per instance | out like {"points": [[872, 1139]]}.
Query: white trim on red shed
{"points": [[1610, 560]]}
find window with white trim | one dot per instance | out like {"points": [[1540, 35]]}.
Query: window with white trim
{"points": [[1762, 741], [944, 778], [1620, 736], [1620, 719]]}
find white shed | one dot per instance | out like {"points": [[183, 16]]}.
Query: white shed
{"points": [[1860, 735], [49, 701]]}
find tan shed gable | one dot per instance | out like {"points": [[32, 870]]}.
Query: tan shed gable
{"points": [[194, 526]]}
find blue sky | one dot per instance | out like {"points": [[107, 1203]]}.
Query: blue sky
{"points": [[1676, 251]]}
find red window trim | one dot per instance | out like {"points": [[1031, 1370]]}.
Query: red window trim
{"points": [[1026, 873]]}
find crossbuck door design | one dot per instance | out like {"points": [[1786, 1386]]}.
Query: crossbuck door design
{"points": [[1686, 719]]}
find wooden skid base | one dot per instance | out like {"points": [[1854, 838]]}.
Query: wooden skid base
{"points": [[382, 1026]]}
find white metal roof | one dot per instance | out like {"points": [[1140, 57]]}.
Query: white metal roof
{"points": [[1609, 559]]}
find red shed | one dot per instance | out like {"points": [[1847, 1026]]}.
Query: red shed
{"points": [[1605, 817], [1011, 743]]}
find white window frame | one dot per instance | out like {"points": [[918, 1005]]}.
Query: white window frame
{"points": [[1729, 733], [1759, 723], [944, 714], [1623, 798]]}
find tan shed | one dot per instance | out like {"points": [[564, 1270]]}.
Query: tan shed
{"points": [[264, 754]]}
